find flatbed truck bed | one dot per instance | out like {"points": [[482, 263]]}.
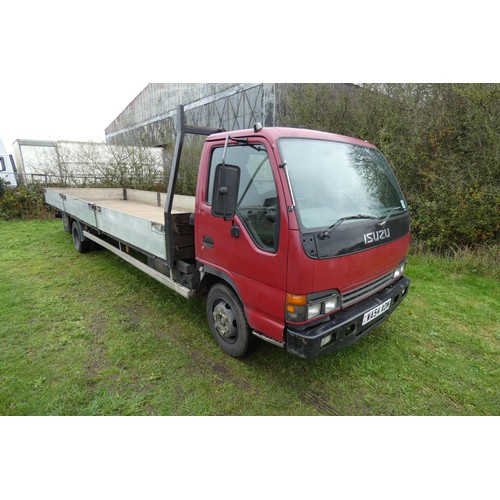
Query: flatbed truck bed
{"points": [[121, 219], [144, 204]]}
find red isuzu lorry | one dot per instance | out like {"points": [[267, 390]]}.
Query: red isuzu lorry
{"points": [[297, 237]]}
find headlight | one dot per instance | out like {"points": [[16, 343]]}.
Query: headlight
{"points": [[300, 308], [313, 310], [399, 270], [331, 304]]}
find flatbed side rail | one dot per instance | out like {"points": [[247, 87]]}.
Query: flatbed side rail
{"points": [[165, 280]]}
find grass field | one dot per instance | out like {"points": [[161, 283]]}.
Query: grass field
{"points": [[86, 334]]}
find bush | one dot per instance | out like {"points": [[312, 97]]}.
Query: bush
{"points": [[23, 202], [4, 185], [447, 217]]}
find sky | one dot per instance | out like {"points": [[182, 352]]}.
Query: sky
{"points": [[61, 110], [69, 68]]}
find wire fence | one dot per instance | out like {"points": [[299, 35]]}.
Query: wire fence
{"points": [[73, 180]]}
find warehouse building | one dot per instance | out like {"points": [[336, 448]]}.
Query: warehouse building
{"points": [[149, 119], [74, 162]]}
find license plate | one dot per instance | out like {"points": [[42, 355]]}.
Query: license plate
{"points": [[376, 312]]}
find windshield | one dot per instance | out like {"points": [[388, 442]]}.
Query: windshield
{"points": [[333, 180]]}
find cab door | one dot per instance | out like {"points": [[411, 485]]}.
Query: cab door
{"points": [[249, 251]]}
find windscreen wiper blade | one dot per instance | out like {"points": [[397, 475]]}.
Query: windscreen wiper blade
{"points": [[386, 218], [327, 232], [244, 140]]}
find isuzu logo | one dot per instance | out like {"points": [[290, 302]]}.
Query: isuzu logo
{"points": [[374, 236]]}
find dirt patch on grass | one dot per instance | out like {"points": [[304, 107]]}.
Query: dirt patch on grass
{"points": [[135, 314], [96, 360], [319, 401], [201, 361], [220, 370]]}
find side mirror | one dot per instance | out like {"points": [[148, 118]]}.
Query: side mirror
{"points": [[225, 193]]}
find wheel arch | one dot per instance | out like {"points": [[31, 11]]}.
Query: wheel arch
{"points": [[83, 226], [212, 276]]}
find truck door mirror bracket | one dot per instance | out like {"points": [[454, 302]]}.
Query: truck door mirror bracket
{"points": [[225, 192], [235, 231]]}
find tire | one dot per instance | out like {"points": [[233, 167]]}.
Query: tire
{"points": [[82, 245], [227, 321]]}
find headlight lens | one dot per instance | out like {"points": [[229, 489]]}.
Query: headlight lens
{"points": [[331, 304], [399, 270], [313, 310]]}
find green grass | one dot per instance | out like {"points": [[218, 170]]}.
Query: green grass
{"points": [[90, 335]]}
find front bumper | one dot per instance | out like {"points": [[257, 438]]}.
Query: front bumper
{"points": [[346, 326]]}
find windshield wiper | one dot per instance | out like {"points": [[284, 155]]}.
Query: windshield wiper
{"points": [[244, 140], [327, 232], [385, 219]]}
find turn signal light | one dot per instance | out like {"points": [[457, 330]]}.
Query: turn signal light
{"points": [[296, 300]]}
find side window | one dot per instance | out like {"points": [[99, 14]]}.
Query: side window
{"points": [[257, 195], [2, 164]]}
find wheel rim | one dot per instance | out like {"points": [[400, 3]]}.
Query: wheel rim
{"points": [[225, 321]]}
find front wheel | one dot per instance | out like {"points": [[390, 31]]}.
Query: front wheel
{"points": [[227, 321]]}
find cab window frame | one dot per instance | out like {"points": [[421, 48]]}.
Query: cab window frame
{"points": [[267, 214]]}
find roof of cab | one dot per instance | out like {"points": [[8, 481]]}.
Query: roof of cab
{"points": [[275, 133]]}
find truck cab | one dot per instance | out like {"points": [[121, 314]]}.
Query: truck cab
{"points": [[305, 234], [7, 166]]}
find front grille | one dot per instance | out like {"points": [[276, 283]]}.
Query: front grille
{"points": [[364, 291]]}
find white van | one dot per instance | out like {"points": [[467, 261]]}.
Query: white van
{"points": [[7, 166]]}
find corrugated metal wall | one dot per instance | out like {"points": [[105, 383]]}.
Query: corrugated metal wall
{"points": [[149, 119]]}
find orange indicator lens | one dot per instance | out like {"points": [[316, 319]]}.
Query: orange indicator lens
{"points": [[297, 300]]}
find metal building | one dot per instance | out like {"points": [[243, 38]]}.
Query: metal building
{"points": [[148, 119], [76, 162]]}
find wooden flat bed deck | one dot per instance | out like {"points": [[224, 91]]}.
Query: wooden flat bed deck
{"points": [[138, 209], [144, 204]]}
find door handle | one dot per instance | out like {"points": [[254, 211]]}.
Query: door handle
{"points": [[208, 241]]}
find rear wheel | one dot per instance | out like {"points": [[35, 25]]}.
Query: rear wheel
{"points": [[227, 321], [82, 244]]}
